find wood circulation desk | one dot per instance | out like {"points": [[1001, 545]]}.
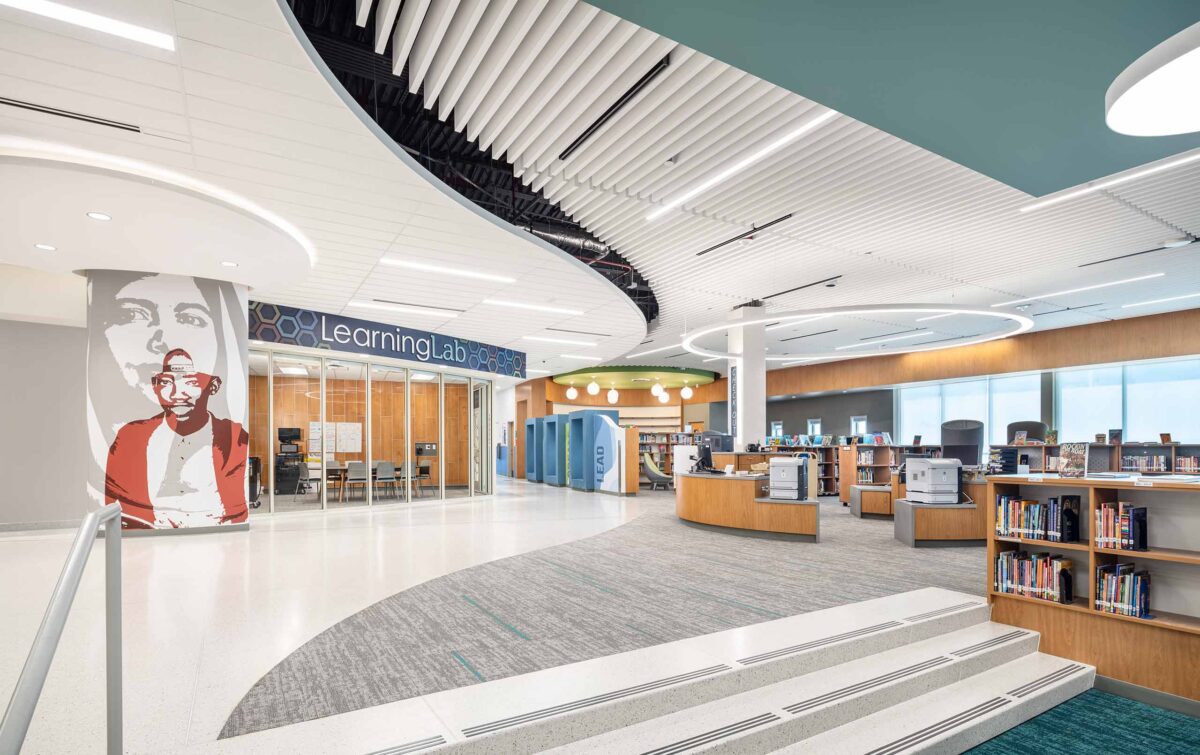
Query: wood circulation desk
{"points": [[738, 501]]}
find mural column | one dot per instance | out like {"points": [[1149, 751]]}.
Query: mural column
{"points": [[166, 383]]}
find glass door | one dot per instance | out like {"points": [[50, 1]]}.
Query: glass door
{"points": [[258, 426], [347, 469], [296, 472], [389, 434], [456, 436]]}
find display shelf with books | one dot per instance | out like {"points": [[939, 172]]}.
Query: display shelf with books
{"points": [[658, 445], [864, 464], [1135, 571]]}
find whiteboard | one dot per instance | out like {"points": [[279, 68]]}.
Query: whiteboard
{"points": [[349, 437]]}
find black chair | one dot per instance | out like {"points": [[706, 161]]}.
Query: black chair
{"points": [[1033, 430], [962, 439]]}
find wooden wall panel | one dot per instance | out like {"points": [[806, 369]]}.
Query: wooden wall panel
{"points": [[259, 426], [1150, 337], [388, 439], [456, 445], [424, 407]]}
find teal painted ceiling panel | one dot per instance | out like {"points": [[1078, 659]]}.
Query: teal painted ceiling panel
{"points": [[1013, 89]]}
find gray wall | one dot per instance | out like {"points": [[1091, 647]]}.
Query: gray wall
{"points": [[43, 415], [835, 412]]}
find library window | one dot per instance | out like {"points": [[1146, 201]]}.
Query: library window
{"points": [[921, 413], [1013, 399], [858, 425], [814, 426], [1161, 398], [776, 428], [1087, 402]]}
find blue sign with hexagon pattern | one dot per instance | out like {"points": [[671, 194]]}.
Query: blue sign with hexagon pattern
{"points": [[275, 323]]}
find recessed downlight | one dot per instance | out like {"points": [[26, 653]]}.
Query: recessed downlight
{"points": [[102, 216], [227, 263], [427, 267], [45, 247], [532, 307]]}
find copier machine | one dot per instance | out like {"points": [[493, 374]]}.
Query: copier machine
{"points": [[789, 478], [933, 480]]}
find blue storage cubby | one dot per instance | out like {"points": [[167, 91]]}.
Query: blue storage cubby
{"points": [[583, 426], [554, 450], [534, 430]]}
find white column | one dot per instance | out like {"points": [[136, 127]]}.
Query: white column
{"points": [[747, 379]]}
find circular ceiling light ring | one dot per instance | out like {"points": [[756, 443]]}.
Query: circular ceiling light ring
{"points": [[1021, 323], [1156, 94]]}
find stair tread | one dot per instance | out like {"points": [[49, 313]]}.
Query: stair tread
{"points": [[918, 657], [1002, 686]]}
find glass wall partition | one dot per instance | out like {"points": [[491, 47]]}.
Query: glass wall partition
{"points": [[483, 453], [390, 451], [296, 453], [456, 436], [1088, 403], [258, 407], [425, 444], [347, 471]]}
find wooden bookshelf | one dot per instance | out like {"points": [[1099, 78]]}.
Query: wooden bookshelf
{"points": [[1160, 458], [1158, 652], [863, 464]]}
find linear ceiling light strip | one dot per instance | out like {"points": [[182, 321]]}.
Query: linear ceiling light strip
{"points": [[806, 285], [70, 114], [753, 230], [616, 107]]}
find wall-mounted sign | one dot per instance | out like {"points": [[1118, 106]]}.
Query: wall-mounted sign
{"points": [[274, 323]]}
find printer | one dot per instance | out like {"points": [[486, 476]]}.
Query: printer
{"points": [[789, 478], [933, 480]]}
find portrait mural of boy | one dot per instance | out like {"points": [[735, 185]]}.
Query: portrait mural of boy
{"points": [[167, 398]]}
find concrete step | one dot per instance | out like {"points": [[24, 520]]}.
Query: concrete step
{"points": [[960, 716], [558, 706], [776, 715]]}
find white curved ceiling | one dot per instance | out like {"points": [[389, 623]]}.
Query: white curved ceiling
{"points": [[897, 223], [241, 105]]}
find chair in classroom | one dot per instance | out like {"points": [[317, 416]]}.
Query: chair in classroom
{"points": [[357, 474]]}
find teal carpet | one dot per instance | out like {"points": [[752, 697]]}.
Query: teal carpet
{"points": [[1097, 722]]}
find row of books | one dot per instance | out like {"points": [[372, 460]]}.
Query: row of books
{"points": [[1146, 463], [1056, 520], [801, 440], [866, 476], [1187, 464], [1120, 589], [1121, 525], [1035, 575], [866, 457]]}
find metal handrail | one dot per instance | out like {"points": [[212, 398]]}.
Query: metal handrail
{"points": [[33, 676]]}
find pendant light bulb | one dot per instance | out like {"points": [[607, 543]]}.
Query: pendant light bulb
{"points": [[656, 389], [686, 391], [613, 396], [572, 393], [664, 397], [593, 388]]}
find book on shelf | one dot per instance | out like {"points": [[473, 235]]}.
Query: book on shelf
{"points": [[1121, 526], [1122, 589], [1073, 459], [1100, 439], [1164, 438], [1019, 437], [1052, 437], [917, 440], [1056, 520], [1035, 575]]}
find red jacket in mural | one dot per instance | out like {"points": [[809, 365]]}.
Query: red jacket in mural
{"points": [[126, 482]]}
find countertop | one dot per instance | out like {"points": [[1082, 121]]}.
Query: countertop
{"points": [[702, 475]]}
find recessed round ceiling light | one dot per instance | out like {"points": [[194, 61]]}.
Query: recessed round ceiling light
{"points": [[99, 216], [45, 247], [1156, 94], [227, 263]]}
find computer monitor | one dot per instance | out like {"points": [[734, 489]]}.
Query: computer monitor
{"points": [[704, 458], [288, 434]]}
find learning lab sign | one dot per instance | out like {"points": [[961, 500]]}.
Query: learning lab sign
{"points": [[273, 323]]}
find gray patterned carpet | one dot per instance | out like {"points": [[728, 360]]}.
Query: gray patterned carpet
{"points": [[653, 580]]}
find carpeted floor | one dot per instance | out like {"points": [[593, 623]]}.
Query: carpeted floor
{"points": [[653, 580], [1097, 723]]}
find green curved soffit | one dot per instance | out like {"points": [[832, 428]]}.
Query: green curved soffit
{"points": [[1013, 89], [636, 377]]}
